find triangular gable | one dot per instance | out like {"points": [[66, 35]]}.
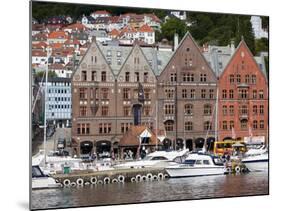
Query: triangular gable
{"points": [[195, 52], [145, 134], [87, 64]]}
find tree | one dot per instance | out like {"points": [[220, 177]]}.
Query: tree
{"points": [[51, 74], [172, 26], [261, 45]]}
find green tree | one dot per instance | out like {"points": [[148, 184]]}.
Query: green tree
{"points": [[172, 26], [51, 74], [261, 45]]}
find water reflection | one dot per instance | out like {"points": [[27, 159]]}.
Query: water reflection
{"points": [[167, 190]]}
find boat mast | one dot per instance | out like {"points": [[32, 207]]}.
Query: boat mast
{"points": [[156, 124], [216, 115], [45, 107]]}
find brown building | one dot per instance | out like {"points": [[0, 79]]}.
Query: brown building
{"points": [[186, 97], [243, 97]]}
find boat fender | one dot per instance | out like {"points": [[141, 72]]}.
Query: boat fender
{"points": [[160, 176], [149, 176], [155, 177], [133, 179], [106, 180], [93, 180], [80, 181], [73, 184], [138, 178], [100, 182], [66, 182], [144, 178], [166, 176], [114, 180], [121, 178], [237, 169], [228, 170]]}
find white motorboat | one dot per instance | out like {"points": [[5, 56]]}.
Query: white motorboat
{"points": [[196, 164], [42, 181], [155, 159], [256, 162]]}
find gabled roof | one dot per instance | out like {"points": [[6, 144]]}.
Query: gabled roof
{"points": [[145, 28], [58, 35], [114, 32], [76, 26], [39, 53]]}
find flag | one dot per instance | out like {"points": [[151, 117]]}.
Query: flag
{"points": [[250, 131], [233, 134]]}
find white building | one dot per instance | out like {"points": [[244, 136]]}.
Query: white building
{"points": [[100, 13], [59, 106], [257, 27]]}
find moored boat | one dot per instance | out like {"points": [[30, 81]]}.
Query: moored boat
{"points": [[257, 162], [42, 181], [196, 164]]}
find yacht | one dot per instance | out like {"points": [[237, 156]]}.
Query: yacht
{"points": [[42, 181], [197, 164], [155, 159], [256, 160]]}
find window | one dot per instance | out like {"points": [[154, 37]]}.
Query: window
{"points": [[104, 128], [146, 110], [255, 124], [261, 109], [207, 109], [103, 76], [203, 77], [94, 75], [261, 124], [254, 79], [255, 109], [243, 124], [127, 76], [203, 93], [104, 93], [108, 53], [147, 94], [188, 109], [231, 110], [169, 93], [224, 125], [83, 110], [243, 110], [137, 77], [206, 162], [238, 78], [224, 94], [261, 94], [119, 61], [211, 94], [136, 60], [224, 110], [231, 94], [231, 124], [104, 110], [84, 75], [243, 93], [173, 77], [247, 79], [83, 93], [192, 93], [145, 77], [127, 110], [83, 129], [188, 126], [109, 60], [184, 93], [118, 53], [169, 109], [126, 93], [231, 79], [255, 94], [125, 127], [169, 125], [207, 125]]}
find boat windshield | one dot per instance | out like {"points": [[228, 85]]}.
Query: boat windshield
{"points": [[155, 158], [189, 162], [36, 172]]}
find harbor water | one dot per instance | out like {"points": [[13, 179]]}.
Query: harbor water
{"points": [[253, 183]]}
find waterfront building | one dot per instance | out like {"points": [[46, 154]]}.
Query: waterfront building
{"points": [[58, 106], [243, 97]]}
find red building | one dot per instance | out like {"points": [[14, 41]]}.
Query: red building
{"points": [[243, 97]]}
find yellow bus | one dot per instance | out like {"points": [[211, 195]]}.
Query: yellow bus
{"points": [[225, 147]]}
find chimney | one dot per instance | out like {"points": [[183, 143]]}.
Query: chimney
{"points": [[232, 47], [176, 41]]}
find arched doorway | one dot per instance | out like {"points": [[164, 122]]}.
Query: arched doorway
{"points": [[179, 144], [199, 143], [227, 138], [189, 144], [210, 143], [103, 148], [167, 144], [86, 147]]}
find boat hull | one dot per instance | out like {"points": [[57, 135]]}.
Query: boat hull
{"points": [[194, 171], [258, 165], [44, 183]]}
